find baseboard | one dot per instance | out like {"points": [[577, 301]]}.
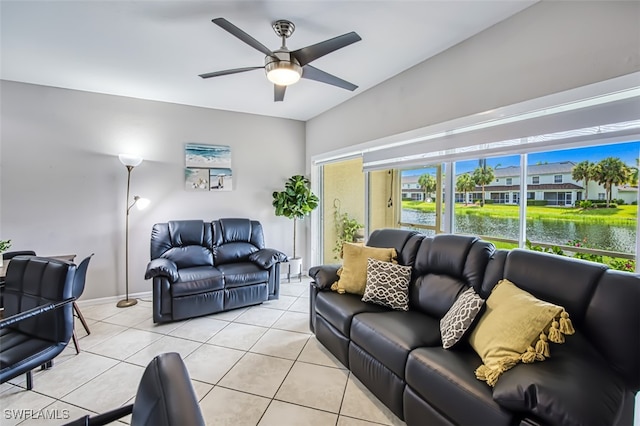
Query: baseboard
{"points": [[114, 299]]}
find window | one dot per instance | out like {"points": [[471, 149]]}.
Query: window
{"points": [[556, 221], [509, 181], [421, 209], [500, 197], [531, 195], [495, 213], [535, 180]]}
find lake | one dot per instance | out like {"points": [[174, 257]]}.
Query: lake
{"points": [[620, 238]]}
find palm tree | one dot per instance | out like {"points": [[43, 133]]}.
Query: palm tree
{"points": [[427, 183], [633, 180], [464, 184], [584, 171], [483, 176], [611, 171]]}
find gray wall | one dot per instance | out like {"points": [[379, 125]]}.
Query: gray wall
{"points": [[63, 188], [550, 47]]}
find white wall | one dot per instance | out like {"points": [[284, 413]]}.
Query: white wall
{"points": [[550, 47], [63, 189]]}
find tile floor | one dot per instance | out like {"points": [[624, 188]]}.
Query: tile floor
{"points": [[252, 366]]}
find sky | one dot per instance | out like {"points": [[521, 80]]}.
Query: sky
{"points": [[628, 152]]}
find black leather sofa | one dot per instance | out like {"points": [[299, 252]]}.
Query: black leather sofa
{"points": [[590, 379], [199, 268]]}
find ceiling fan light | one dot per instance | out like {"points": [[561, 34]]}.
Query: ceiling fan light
{"points": [[283, 73]]}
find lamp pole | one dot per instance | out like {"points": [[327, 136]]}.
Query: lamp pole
{"points": [[130, 162], [127, 302]]}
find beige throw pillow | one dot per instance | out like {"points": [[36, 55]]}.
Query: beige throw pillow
{"points": [[515, 328], [353, 274]]}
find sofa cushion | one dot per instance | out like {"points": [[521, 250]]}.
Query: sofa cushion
{"points": [[339, 310], [446, 265], [189, 256], [353, 276], [243, 273], [513, 323], [566, 281], [199, 279], [445, 379], [576, 387], [459, 319], [233, 252], [390, 336], [387, 284]]}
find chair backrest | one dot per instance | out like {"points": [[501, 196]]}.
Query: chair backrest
{"points": [[32, 281], [185, 242], [165, 395], [11, 254], [81, 276], [446, 265], [234, 239]]}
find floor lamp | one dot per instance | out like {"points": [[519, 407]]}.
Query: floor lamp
{"points": [[130, 162]]}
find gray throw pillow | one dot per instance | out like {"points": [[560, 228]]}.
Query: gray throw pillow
{"points": [[387, 284], [459, 319]]}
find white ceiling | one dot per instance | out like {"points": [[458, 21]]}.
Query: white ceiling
{"points": [[156, 49]]}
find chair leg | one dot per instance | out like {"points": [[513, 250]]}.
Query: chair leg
{"points": [[81, 318], [75, 342], [47, 365], [29, 380]]}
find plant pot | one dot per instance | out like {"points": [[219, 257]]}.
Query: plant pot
{"points": [[294, 268]]}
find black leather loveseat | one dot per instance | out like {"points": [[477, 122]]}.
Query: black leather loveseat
{"points": [[590, 379], [200, 268]]}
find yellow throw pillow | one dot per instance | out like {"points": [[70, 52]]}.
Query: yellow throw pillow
{"points": [[353, 274], [513, 328]]}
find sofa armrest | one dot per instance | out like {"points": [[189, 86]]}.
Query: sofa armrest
{"points": [[266, 257], [162, 267], [324, 275]]}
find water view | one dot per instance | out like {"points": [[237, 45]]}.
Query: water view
{"points": [[604, 236]]}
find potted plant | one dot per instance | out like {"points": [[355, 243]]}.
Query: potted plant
{"points": [[295, 202], [4, 245], [348, 229]]}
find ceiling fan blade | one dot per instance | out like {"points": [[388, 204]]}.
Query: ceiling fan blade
{"points": [[229, 27], [311, 73], [227, 72], [278, 93], [315, 51]]}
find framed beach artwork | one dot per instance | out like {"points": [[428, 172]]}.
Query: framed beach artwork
{"points": [[207, 167]]}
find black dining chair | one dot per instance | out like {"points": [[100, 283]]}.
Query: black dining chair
{"points": [[38, 312], [8, 255], [78, 288], [165, 397]]}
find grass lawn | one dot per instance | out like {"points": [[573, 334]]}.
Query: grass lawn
{"points": [[624, 214]]}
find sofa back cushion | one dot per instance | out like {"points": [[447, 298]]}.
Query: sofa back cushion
{"points": [[446, 265], [235, 239], [612, 323], [186, 242], [561, 280], [405, 242]]}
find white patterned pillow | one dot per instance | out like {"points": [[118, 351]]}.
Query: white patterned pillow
{"points": [[457, 321], [387, 284]]}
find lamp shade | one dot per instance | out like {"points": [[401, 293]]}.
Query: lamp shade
{"points": [[142, 203], [130, 160]]}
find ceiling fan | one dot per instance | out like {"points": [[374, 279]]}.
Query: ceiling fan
{"points": [[285, 67]]}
